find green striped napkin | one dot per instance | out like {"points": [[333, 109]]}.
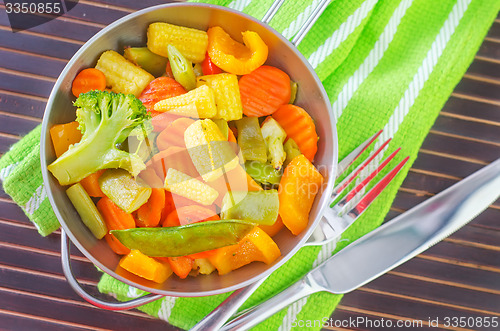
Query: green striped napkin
{"points": [[385, 65]]}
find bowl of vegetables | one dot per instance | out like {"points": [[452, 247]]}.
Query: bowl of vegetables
{"points": [[186, 148]]}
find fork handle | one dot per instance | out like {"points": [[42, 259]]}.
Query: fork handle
{"points": [[255, 315]]}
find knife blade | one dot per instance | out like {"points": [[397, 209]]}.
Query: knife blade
{"points": [[388, 246]]}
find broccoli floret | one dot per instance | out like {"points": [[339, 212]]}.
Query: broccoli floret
{"points": [[105, 119]]}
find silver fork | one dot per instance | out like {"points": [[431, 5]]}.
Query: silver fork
{"points": [[336, 220]]}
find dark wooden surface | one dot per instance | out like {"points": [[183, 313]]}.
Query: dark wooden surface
{"points": [[458, 277]]}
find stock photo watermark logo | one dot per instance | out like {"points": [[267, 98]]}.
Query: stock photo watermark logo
{"points": [[27, 14]]}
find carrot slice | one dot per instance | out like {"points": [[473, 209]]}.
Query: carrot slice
{"points": [[195, 213], [299, 126], [173, 135], [190, 214], [159, 89], [180, 265], [87, 80], [116, 219], [149, 214], [172, 219], [202, 255], [91, 184], [173, 157], [264, 90], [116, 245], [162, 120]]}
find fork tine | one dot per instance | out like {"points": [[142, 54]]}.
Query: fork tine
{"points": [[345, 183], [353, 156], [367, 180], [376, 190]]}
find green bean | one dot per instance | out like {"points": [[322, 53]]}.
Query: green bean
{"points": [[87, 210], [184, 240], [181, 68]]}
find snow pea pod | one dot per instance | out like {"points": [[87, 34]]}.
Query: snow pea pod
{"points": [[184, 240]]}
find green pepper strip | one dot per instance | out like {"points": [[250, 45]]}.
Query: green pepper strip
{"points": [[250, 140], [181, 68], [263, 172], [259, 207], [291, 149], [184, 240]]}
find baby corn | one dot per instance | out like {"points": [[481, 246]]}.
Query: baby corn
{"points": [[209, 150], [198, 103], [184, 185], [121, 75], [192, 43], [226, 93]]}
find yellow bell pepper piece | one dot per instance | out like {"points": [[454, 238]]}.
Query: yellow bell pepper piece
{"points": [[145, 266], [234, 57]]}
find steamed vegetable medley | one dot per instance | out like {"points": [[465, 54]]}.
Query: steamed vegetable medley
{"points": [[197, 169]]}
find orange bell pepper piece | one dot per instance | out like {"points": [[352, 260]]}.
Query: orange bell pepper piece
{"points": [[298, 187], [64, 135], [272, 230], [145, 266], [234, 57], [255, 246]]}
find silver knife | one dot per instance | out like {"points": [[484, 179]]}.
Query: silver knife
{"points": [[390, 245]]}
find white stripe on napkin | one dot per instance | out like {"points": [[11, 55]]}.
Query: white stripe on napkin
{"points": [[167, 304], [5, 172], [423, 72], [296, 24], [371, 60], [239, 4], [341, 34], [35, 201]]}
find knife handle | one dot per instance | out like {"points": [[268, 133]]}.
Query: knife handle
{"points": [[253, 316]]}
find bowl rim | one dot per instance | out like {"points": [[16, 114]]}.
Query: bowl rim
{"points": [[113, 273]]}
